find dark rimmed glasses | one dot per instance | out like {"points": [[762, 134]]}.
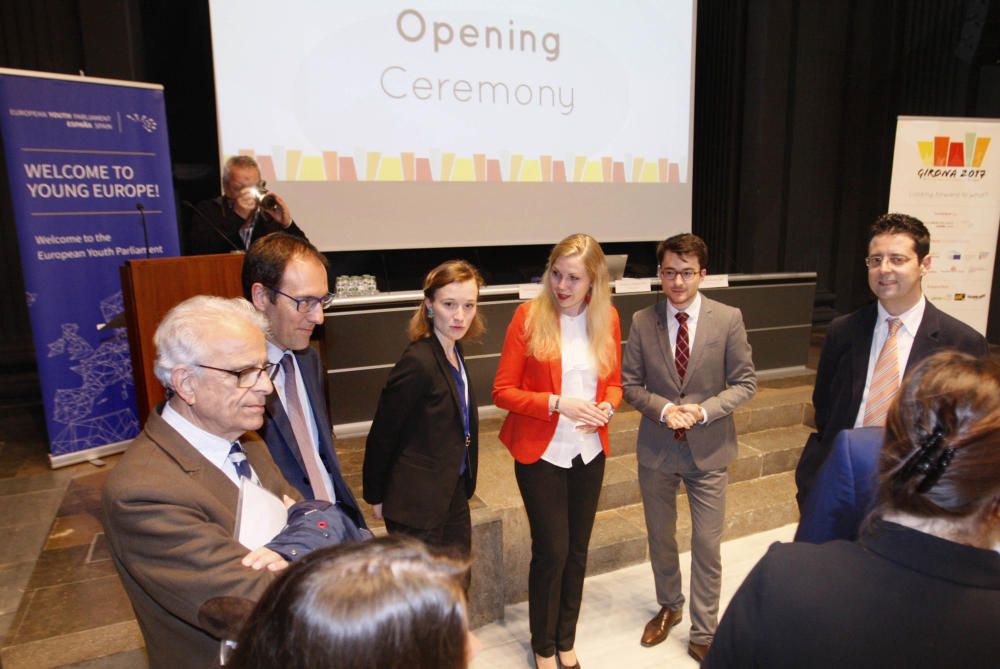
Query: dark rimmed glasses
{"points": [[247, 378], [306, 304], [685, 275]]}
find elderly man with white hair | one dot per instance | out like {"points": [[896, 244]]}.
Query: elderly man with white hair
{"points": [[169, 506]]}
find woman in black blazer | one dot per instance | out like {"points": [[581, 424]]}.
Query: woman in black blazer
{"points": [[422, 450]]}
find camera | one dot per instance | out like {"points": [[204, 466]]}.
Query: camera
{"points": [[265, 198]]}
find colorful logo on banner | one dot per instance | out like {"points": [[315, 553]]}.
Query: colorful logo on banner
{"points": [[947, 158]]}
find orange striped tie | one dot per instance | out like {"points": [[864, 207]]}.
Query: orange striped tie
{"points": [[885, 378]]}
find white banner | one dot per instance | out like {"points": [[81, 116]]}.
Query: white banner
{"points": [[946, 172]]}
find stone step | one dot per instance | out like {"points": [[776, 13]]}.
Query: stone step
{"points": [[618, 540], [761, 453], [775, 407], [619, 537], [621, 482], [767, 452], [803, 377]]}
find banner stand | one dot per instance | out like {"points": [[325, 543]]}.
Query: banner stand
{"points": [[88, 165], [946, 172]]}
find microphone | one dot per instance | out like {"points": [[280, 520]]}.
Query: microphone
{"points": [[212, 225], [145, 230]]}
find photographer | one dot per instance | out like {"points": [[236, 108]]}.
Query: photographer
{"points": [[244, 213]]}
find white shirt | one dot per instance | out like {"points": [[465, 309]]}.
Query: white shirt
{"points": [[693, 310], [274, 354], [911, 319], [579, 379], [214, 448]]}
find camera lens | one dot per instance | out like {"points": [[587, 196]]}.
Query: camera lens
{"points": [[268, 201]]}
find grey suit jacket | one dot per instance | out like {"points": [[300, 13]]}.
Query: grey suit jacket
{"points": [[169, 516], [720, 377]]}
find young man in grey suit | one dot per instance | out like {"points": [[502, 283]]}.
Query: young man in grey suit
{"points": [[686, 368], [860, 344], [169, 506], [285, 278]]}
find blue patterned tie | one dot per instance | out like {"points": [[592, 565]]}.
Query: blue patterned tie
{"points": [[239, 459]]}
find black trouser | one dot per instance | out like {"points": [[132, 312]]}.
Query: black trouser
{"points": [[455, 533], [561, 505]]}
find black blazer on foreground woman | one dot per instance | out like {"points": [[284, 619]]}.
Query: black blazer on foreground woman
{"points": [[895, 598], [417, 440]]}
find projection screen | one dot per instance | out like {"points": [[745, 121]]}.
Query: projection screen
{"points": [[390, 124]]}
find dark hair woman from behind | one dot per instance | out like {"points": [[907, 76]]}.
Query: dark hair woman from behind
{"points": [[387, 603], [921, 586]]}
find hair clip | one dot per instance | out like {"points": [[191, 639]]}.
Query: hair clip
{"points": [[921, 461], [937, 470]]}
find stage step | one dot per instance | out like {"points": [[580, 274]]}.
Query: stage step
{"points": [[619, 538]]}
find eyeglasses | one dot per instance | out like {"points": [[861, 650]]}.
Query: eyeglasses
{"points": [[306, 304], [871, 262], [247, 378], [685, 275]]}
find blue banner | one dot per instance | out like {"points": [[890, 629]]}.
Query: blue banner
{"points": [[86, 159]]}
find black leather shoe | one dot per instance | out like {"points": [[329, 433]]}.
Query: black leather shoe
{"points": [[658, 628]]}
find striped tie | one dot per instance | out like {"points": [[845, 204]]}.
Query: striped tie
{"points": [[239, 459], [307, 451], [682, 353], [885, 378]]}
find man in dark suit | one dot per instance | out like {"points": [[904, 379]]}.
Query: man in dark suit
{"points": [[169, 506], [845, 488], [867, 352], [285, 278], [686, 368], [240, 216]]}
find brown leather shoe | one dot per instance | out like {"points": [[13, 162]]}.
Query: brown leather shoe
{"points": [[698, 650], [658, 628]]}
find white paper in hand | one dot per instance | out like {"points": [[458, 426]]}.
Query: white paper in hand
{"points": [[260, 515]]}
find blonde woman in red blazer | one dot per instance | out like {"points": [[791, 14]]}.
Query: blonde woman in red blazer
{"points": [[560, 380]]}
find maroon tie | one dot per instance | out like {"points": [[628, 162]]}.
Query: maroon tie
{"points": [[682, 353], [681, 350]]}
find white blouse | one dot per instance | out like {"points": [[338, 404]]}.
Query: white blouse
{"points": [[579, 379]]}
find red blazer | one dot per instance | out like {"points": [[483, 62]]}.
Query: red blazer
{"points": [[523, 385]]}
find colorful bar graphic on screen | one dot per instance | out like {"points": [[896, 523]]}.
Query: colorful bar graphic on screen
{"points": [[293, 165], [946, 152]]}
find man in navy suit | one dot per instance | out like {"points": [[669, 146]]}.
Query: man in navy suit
{"points": [[901, 323], [285, 278]]}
